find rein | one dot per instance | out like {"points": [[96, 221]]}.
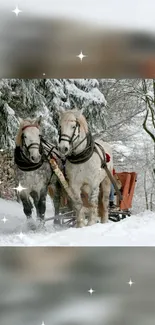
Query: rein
{"points": [[86, 153]]}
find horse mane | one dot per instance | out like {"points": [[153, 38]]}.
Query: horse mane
{"points": [[79, 116], [24, 123]]}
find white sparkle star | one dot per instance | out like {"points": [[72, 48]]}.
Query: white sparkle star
{"points": [[130, 283], [81, 56], [1, 150], [91, 291], [16, 11], [43, 323], [44, 74], [21, 235], [19, 188], [4, 220]]}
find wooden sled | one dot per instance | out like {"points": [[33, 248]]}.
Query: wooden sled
{"points": [[128, 180]]}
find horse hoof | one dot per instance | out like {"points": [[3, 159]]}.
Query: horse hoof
{"points": [[40, 225], [104, 220], [80, 225], [31, 225], [90, 223], [57, 221]]}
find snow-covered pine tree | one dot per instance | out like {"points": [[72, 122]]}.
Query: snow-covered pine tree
{"points": [[47, 97], [85, 95]]}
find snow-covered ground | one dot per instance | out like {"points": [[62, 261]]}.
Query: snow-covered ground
{"points": [[137, 230]]}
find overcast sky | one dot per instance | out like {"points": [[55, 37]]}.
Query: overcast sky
{"points": [[136, 14]]}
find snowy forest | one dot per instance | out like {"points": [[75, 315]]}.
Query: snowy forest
{"points": [[122, 112]]}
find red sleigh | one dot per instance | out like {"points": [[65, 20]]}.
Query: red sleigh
{"points": [[128, 180]]}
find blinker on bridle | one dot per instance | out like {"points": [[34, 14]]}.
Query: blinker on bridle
{"points": [[66, 137]]}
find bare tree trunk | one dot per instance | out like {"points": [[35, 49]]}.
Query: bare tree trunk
{"points": [[154, 91], [145, 191], [150, 108], [152, 195], [151, 201]]}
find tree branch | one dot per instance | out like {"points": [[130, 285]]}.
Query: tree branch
{"points": [[145, 126]]}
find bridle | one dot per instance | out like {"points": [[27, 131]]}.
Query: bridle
{"points": [[71, 139], [33, 145], [86, 154], [22, 159]]}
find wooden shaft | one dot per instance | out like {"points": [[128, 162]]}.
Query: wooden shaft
{"points": [[113, 182], [63, 181]]}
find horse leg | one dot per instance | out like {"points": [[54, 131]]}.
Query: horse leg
{"points": [[79, 208], [40, 204], [27, 208], [80, 217], [27, 205], [41, 207], [54, 191], [105, 190], [56, 198], [93, 209]]}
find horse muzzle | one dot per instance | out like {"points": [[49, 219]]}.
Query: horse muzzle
{"points": [[35, 158], [64, 148]]}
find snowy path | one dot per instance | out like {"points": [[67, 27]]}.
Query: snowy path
{"points": [[138, 230]]}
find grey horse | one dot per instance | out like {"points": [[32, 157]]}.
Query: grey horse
{"points": [[33, 172]]}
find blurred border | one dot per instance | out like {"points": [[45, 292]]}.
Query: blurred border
{"points": [[52, 284], [38, 47]]}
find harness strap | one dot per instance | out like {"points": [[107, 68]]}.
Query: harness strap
{"points": [[23, 162], [50, 148], [85, 154], [75, 147], [113, 182], [103, 159], [104, 165]]}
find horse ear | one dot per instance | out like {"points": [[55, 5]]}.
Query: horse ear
{"points": [[20, 120], [60, 113], [39, 120]]}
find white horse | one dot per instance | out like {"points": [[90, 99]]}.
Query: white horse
{"points": [[84, 166]]}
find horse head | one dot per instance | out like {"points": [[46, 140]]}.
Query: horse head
{"points": [[72, 126], [29, 138]]}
